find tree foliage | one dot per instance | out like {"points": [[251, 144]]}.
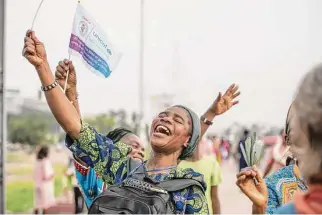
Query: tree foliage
{"points": [[31, 129], [103, 123]]}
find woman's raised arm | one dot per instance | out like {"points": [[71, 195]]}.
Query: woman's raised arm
{"points": [[64, 112]]}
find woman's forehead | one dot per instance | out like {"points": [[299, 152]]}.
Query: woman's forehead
{"points": [[132, 138], [181, 112]]}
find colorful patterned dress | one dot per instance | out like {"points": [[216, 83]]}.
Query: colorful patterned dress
{"points": [[109, 160], [89, 182], [282, 186]]}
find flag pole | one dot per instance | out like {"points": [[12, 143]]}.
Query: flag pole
{"points": [[141, 68], [36, 14], [67, 75], [3, 113], [65, 85]]}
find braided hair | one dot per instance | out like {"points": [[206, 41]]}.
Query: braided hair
{"points": [[117, 134]]}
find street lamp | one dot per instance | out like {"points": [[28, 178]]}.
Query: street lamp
{"points": [[3, 114]]}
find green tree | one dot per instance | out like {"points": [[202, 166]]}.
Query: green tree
{"points": [[31, 129], [103, 123]]}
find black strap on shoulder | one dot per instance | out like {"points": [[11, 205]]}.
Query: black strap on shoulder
{"points": [[132, 164], [179, 184], [135, 169]]}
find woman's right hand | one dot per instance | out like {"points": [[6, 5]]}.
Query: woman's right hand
{"points": [[61, 75], [34, 50], [257, 193]]}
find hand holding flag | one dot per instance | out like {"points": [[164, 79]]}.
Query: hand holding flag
{"points": [[63, 69], [34, 50]]}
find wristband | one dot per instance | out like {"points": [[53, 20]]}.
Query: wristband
{"points": [[49, 87], [205, 120]]}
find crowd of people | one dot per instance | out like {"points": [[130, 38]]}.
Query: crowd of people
{"points": [[115, 177]]}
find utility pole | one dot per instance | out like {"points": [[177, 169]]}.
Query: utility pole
{"points": [[141, 70], [3, 113]]}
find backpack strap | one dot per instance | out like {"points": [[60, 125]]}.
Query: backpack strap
{"points": [[132, 164], [179, 184], [134, 167]]}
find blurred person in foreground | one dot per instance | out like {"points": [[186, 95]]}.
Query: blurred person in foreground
{"points": [[44, 182], [305, 145], [286, 181], [211, 170], [278, 155], [92, 185]]}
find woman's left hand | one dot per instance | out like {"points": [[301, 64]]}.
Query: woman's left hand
{"points": [[225, 102]]}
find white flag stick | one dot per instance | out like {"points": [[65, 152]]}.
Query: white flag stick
{"points": [[33, 21], [66, 76]]}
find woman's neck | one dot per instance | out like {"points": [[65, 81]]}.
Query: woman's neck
{"points": [[158, 160], [195, 157]]}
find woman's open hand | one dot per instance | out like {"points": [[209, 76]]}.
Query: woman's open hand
{"points": [[223, 103]]}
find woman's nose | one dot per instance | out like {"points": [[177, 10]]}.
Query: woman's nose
{"points": [[166, 120]]}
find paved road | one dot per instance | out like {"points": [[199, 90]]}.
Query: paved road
{"points": [[231, 199]]}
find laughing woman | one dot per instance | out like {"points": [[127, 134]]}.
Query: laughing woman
{"points": [[92, 185], [174, 135]]}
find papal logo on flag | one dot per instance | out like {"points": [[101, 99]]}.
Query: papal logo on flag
{"points": [[90, 42], [83, 28]]}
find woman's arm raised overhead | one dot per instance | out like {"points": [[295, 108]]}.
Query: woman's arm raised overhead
{"points": [[64, 112], [95, 150]]}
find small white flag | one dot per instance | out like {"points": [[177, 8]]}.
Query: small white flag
{"points": [[90, 42]]}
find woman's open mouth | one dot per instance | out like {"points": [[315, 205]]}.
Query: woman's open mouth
{"points": [[161, 129]]}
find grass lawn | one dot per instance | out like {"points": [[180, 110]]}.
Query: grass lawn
{"points": [[19, 171], [16, 157], [20, 194]]}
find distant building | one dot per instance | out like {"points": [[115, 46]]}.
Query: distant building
{"points": [[16, 104]]}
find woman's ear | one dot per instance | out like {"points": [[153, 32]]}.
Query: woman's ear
{"points": [[186, 142]]}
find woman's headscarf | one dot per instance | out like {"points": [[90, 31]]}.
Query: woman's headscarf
{"points": [[195, 133]]}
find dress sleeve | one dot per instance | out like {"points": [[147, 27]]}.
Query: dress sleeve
{"points": [[272, 203], [99, 152]]}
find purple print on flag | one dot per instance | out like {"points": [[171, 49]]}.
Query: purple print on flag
{"points": [[89, 56]]}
